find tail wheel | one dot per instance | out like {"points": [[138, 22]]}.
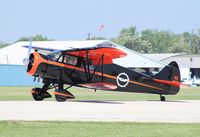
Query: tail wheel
{"points": [[63, 95], [37, 94], [162, 98]]}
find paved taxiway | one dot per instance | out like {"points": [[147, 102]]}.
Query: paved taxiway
{"points": [[137, 111]]}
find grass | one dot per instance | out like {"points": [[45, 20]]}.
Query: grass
{"points": [[96, 129], [23, 93]]}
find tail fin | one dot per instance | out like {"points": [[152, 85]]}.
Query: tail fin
{"points": [[169, 76]]}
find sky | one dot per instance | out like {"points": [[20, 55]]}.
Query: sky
{"points": [[74, 19]]}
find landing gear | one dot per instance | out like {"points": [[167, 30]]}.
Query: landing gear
{"points": [[39, 94], [63, 95], [162, 98]]}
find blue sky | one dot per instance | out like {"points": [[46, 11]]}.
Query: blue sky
{"points": [[74, 19]]}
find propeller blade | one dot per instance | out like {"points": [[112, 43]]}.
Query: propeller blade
{"points": [[29, 48], [26, 60]]}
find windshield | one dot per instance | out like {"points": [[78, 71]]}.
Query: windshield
{"points": [[56, 56]]}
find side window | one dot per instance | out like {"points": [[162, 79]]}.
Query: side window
{"points": [[70, 60]]}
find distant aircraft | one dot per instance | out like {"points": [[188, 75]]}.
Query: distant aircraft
{"points": [[93, 68]]}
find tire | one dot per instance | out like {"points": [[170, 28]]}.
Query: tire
{"points": [[62, 96], [37, 95], [162, 98]]}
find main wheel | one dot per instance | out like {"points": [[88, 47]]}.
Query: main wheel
{"points": [[162, 98], [62, 96], [37, 94]]}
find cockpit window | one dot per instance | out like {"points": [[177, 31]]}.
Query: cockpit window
{"points": [[72, 60]]}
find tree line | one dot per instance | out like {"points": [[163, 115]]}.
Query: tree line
{"points": [[146, 41], [33, 38], [154, 41]]}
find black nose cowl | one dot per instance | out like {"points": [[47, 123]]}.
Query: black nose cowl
{"points": [[31, 61]]}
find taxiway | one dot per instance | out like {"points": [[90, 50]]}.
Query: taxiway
{"points": [[130, 111]]}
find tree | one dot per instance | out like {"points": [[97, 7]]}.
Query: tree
{"points": [[23, 39], [2, 44], [187, 37], [179, 47], [195, 43], [130, 38], [160, 41], [96, 38], [35, 38]]}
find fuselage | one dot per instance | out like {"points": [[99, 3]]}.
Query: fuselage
{"points": [[83, 72]]}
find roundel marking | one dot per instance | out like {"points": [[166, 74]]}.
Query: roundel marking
{"points": [[122, 80]]}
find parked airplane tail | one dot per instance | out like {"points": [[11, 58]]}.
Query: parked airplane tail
{"points": [[169, 76]]}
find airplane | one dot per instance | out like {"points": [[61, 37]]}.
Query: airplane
{"points": [[93, 68]]}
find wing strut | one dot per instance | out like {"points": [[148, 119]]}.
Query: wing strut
{"points": [[101, 61], [87, 68], [88, 65], [102, 68]]}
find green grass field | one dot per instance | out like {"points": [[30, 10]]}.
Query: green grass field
{"points": [[24, 93], [96, 129]]}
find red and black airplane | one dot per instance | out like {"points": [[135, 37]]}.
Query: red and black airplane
{"points": [[94, 68]]}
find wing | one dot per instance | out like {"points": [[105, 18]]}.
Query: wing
{"points": [[97, 53], [43, 50]]}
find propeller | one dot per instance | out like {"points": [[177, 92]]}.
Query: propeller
{"points": [[26, 60]]}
